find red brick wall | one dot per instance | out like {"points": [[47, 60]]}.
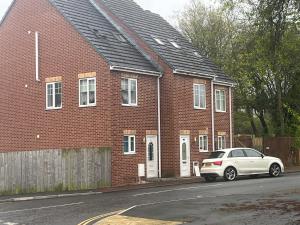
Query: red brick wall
{"points": [[177, 109], [63, 52], [141, 118], [222, 120], [22, 110]]}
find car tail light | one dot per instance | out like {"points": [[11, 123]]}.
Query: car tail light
{"points": [[218, 163]]}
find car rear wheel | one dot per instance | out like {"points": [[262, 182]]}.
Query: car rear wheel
{"points": [[210, 179], [230, 174], [275, 170]]}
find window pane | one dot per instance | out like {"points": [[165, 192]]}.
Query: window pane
{"points": [[205, 143], [83, 85], [202, 97], [50, 95], [237, 153], [216, 155], [57, 95], [133, 91], [150, 152], [252, 153], [124, 87], [184, 153], [83, 92], [125, 144], [196, 96], [132, 144], [92, 91], [201, 142], [92, 85], [223, 142]]}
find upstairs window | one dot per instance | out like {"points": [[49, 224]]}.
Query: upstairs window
{"points": [[53, 95], [220, 101], [129, 145], [129, 92], [174, 43], [87, 92], [199, 96]]}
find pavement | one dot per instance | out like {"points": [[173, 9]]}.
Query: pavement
{"points": [[154, 183], [247, 201]]}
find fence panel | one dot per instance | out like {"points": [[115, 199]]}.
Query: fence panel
{"points": [[54, 170]]}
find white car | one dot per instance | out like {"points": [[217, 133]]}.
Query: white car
{"points": [[230, 163]]}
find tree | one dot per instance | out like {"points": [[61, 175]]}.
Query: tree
{"points": [[257, 43]]}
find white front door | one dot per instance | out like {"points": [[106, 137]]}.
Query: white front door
{"points": [[152, 164], [185, 164]]}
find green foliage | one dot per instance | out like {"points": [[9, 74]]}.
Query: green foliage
{"points": [[257, 42]]}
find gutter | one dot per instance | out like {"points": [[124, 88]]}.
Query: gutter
{"points": [[224, 83], [194, 74], [132, 70]]}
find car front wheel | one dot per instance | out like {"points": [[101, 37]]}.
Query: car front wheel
{"points": [[230, 174], [275, 170]]}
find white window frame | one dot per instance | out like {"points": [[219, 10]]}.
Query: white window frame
{"points": [[221, 141], [54, 98], [202, 143], [129, 92], [194, 88], [217, 93], [88, 92], [129, 145]]}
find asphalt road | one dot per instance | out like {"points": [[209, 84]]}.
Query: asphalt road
{"points": [[258, 201]]}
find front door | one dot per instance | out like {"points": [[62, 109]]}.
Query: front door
{"points": [[185, 164], [152, 163]]}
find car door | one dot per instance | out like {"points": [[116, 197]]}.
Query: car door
{"points": [[238, 159], [256, 163]]}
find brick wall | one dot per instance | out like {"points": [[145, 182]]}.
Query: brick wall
{"points": [[63, 52], [177, 109], [138, 119]]}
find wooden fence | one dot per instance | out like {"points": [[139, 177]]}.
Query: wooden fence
{"points": [[54, 170]]}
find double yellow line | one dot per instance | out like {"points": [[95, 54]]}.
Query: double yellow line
{"points": [[86, 222]]}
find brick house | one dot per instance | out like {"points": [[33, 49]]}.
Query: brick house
{"points": [[86, 74]]}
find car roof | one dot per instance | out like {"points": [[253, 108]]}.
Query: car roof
{"points": [[230, 149]]}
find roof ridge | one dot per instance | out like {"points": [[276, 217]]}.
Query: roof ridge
{"points": [[144, 54], [146, 24]]}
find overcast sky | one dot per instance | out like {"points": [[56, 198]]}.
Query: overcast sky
{"points": [[166, 8]]}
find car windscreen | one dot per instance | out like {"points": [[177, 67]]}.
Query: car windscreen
{"points": [[216, 155]]}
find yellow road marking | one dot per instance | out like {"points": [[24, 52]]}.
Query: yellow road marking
{"points": [[127, 220], [98, 217]]}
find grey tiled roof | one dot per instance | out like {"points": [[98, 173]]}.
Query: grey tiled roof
{"points": [[147, 24], [101, 34]]}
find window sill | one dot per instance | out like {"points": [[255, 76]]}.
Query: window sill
{"points": [[199, 108], [129, 154], [87, 106], [218, 111], [128, 105], [203, 151], [53, 109]]}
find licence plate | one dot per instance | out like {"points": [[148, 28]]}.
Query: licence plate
{"points": [[207, 164]]}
